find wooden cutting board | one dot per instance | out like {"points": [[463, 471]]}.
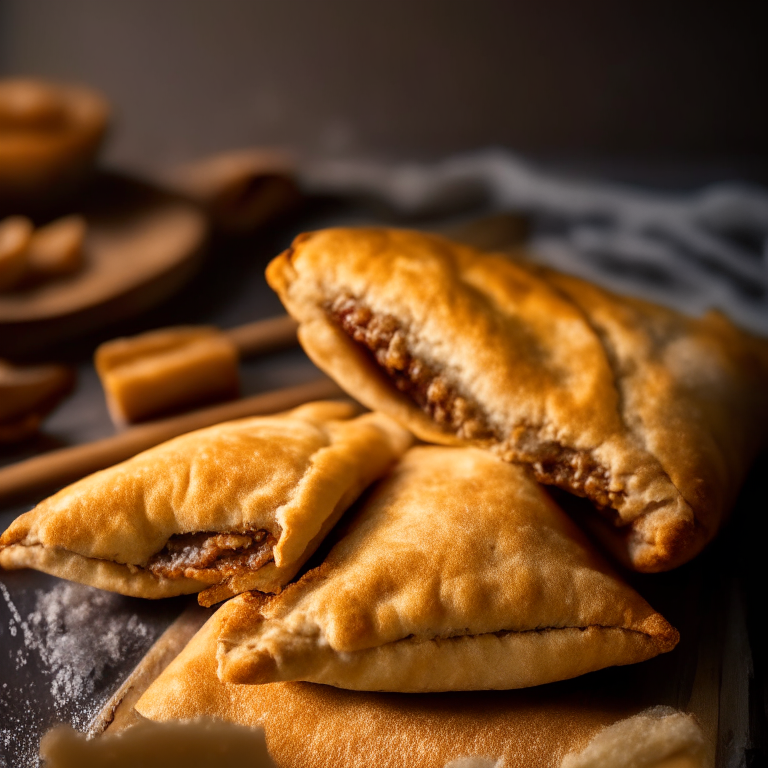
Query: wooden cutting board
{"points": [[142, 244]]}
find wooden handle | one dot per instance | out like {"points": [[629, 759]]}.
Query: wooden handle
{"points": [[35, 477], [264, 335]]}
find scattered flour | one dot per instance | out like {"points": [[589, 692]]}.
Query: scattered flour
{"points": [[78, 637], [73, 636]]}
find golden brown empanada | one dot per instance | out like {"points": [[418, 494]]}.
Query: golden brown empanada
{"points": [[225, 509], [458, 573], [653, 416], [326, 727]]}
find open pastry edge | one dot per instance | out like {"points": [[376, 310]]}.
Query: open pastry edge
{"points": [[104, 574], [136, 581], [656, 541], [21, 545]]}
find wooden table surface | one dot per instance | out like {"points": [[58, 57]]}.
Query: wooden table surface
{"points": [[65, 649]]}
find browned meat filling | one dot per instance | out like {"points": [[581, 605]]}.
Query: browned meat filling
{"points": [[385, 339], [567, 468], [209, 556]]}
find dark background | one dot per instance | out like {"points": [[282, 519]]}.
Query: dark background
{"points": [[672, 82], [674, 91]]}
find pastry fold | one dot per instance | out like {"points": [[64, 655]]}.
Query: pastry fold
{"points": [[653, 416], [457, 573], [233, 507], [326, 727]]}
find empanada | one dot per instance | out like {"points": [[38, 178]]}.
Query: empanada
{"points": [[458, 573], [229, 508], [325, 727], [653, 416]]}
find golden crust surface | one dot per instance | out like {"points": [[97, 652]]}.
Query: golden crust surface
{"points": [[328, 727], [103, 574], [458, 573], [651, 414], [292, 475]]}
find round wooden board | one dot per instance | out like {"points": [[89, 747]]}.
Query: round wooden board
{"points": [[142, 244]]}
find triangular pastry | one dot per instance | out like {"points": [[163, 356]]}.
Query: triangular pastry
{"points": [[653, 416], [326, 727], [457, 573], [233, 507]]}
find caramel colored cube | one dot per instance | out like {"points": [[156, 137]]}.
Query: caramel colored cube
{"points": [[167, 370]]}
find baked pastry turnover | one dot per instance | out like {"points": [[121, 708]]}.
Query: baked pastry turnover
{"points": [[233, 507], [458, 573], [326, 727], [653, 416]]}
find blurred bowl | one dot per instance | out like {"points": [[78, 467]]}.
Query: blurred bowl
{"points": [[50, 135]]}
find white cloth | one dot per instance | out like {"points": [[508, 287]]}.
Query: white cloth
{"points": [[693, 252]]}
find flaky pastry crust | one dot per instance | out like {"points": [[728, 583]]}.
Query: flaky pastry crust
{"points": [[229, 508], [326, 727], [458, 573], [653, 416]]}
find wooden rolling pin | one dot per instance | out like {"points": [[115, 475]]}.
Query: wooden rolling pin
{"points": [[264, 336], [37, 476]]}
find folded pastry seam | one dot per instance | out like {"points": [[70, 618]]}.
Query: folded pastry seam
{"points": [[644, 411], [226, 509], [474, 662], [266, 642], [456, 572]]}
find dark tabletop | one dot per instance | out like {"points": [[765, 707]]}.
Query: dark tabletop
{"points": [[65, 648]]}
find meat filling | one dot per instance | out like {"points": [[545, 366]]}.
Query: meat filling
{"points": [[553, 464], [384, 338], [212, 556]]}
